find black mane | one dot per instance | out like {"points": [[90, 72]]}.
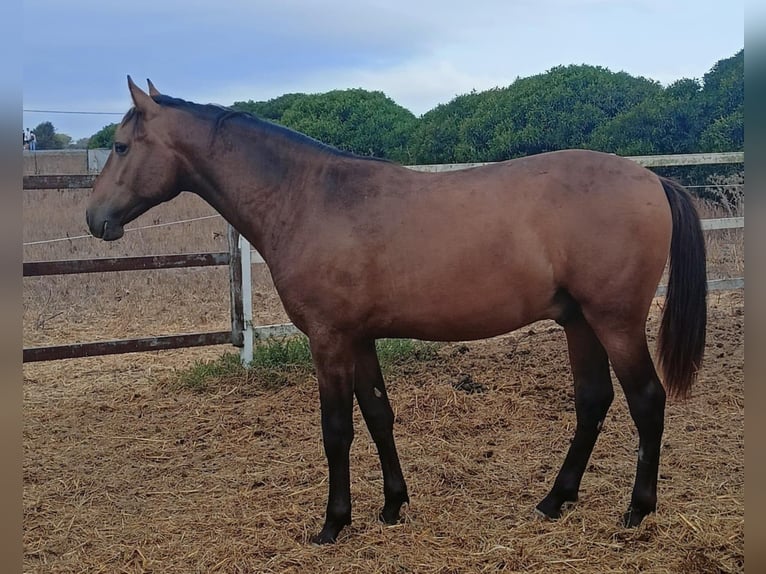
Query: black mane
{"points": [[221, 115]]}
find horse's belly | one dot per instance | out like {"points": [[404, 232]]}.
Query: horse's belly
{"points": [[471, 307], [455, 327]]}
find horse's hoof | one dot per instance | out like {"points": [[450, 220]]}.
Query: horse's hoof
{"points": [[633, 517], [323, 538], [331, 528], [548, 511], [389, 514], [540, 515], [389, 517], [552, 509]]}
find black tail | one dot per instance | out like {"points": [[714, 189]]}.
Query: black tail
{"points": [[684, 320]]}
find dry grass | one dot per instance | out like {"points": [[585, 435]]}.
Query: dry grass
{"points": [[724, 196], [125, 471], [725, 247]]}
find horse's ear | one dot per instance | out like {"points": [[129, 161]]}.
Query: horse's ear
{"points": [[141, 100], [152, 90]]}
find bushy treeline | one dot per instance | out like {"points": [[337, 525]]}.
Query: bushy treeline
{"points": [[576, 106]]}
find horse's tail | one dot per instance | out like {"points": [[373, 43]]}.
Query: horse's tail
{"points": [[684, 320]]}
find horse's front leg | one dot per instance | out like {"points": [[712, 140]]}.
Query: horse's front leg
{"points": [[334, 362], [373, 401]]}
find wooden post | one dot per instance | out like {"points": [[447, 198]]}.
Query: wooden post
{"points": [[235, 287]]}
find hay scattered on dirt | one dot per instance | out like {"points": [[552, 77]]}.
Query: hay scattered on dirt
{"points": [[125, 472]]}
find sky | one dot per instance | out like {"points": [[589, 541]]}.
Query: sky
{"points": [[78, 53]]}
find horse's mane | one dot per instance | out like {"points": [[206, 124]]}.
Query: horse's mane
{"points": [[221, 115]]}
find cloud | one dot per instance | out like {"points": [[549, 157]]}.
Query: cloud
{"points": [[77, 53], [458, 50], [417, 84]]}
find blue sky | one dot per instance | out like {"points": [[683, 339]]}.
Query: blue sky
{"points": [[77, 53]]}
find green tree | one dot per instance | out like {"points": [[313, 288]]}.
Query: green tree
{"points": [[355, 120], [81, 143], [103, 138], [562, 108], [669, 122], [270, 110], [45, 134], [725, 134], [723, 88], [437, 137], [723, 95], [556, 110], [63, 141]]}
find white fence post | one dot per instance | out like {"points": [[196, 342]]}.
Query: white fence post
{"points": [[246, 353]]}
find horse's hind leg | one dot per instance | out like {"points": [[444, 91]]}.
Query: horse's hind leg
{"points": [[635, 370], [593, 396], [373, 402]]}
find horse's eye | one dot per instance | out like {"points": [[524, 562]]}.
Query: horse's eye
{"points": [[120, 148]]}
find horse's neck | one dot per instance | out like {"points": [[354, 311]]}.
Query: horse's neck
{"points": [[256, 184]]}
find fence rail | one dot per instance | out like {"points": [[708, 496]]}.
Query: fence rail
{"points": [[58, 181], [119, 346], [645, 160], [239, 308], [238, 258], [724, 223], [101, 265]]}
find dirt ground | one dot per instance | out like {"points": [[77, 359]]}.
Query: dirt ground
{"points": [[126, 472]]}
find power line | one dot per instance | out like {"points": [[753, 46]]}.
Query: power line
{"points": [[74, 112], [128, 229]]}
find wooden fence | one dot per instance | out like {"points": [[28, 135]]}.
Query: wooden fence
{"points": [[238, 258], [235, 336]]}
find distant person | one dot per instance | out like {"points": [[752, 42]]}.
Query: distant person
{"points": [[24, 140], [32, 141]]}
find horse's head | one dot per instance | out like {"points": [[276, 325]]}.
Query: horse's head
{"points": [[141, 172]]}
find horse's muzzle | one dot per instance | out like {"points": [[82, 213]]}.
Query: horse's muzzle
{"points": [[104, 228]]}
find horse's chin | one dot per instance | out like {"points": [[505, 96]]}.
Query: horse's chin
{"points": [[112, 231]]}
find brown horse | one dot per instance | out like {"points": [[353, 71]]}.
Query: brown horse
{"points": [[361, 248]]}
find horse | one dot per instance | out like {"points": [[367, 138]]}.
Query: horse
{"points": [[361, 248]]}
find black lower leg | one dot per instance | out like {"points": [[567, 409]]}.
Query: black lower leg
{"points": [[567, 484], [334, 361], [635, 370], [373, 402], [337, 429], [647, 407], [593, 396]]}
